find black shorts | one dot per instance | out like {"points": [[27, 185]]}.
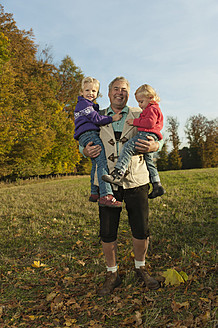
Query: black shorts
{"points": [[136, 200]]}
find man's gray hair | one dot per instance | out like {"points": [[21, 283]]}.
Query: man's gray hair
{"points": [[120, 78]]}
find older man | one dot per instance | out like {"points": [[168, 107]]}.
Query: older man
{"points": [[134, 189]]}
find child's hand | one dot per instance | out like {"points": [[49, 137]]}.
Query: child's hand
{"points": [[130, 121], [117, 117]]}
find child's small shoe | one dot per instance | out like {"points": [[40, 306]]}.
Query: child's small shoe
{"points": [[109, 201], [158, 190], [94, 198], [115, 177]]}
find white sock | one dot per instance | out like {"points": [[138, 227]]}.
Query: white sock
{"points": [[112, 269], [139, 264]]}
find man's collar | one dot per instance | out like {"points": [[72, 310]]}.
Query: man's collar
{"points": [[124, 110]]}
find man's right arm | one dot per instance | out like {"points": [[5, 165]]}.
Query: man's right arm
{"points": [[90, 150]]}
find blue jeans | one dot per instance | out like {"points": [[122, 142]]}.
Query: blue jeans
{"points": [[129, 150], [100, 162]]}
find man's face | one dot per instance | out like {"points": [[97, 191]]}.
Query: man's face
{"points": [[118, 95]]}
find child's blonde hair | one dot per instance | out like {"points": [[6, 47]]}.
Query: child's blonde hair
{"points": [[89, 79], [148, 92]]}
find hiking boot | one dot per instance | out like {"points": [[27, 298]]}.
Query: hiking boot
{"points": [[112, 281], [150, 282], [94, 198], [109, 201], [158, 190], [115, 177]]}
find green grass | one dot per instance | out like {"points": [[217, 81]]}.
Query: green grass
{"points": [[51, 221]]}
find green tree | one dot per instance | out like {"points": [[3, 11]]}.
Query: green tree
{"points": [[202, 137], [162, 161], [195, 130], [185, 155], [174, 159], [211, 144]]}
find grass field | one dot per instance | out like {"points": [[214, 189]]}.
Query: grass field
{"points": [[52, 261]]}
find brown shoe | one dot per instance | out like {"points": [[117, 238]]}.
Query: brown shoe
{"points": [[112, 281], [109, 201], [150, 282]]}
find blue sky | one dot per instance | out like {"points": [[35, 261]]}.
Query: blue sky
{"points": [[169, 44]]}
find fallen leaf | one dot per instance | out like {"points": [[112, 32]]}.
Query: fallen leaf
{"points": [[176, 306], [70, 322], [57, 303], [184, 275], [138, 318], [2, 308], [148, 299], [204, 299], [38, 264], [68, 280], [205, 317], [79, 243], [173, 277], [81, 262], [51, 296]]}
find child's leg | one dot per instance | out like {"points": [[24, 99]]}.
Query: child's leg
{"points": [[83, 141], [158, 190], [153, 173], [100, 162], [105, 189], [126, 154], [122, 164], [94, 197], [94, 188]]}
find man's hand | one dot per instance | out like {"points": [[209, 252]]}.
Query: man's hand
{"points": [[147, 146], [92, 151]]}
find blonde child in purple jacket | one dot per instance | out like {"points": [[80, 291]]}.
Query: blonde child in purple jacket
{"points": [[87, 127]]}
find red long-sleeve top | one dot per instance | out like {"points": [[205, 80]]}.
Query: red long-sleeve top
{"points": [[150, 120]]}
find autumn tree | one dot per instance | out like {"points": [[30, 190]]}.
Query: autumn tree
{"points": [[70, 77], [4, 50], [174, 158], [7, 80], [33, 120], [202, 138]]}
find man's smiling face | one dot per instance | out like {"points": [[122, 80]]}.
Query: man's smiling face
{"points": [[118, 95]]}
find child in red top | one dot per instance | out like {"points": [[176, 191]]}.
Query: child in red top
{"points": [[149, 123]]}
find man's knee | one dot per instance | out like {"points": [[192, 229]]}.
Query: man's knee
{"points": [[141, 234], [107, 238]]}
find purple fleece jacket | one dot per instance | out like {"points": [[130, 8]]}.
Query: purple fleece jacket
{"points": [[87, 117]]}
